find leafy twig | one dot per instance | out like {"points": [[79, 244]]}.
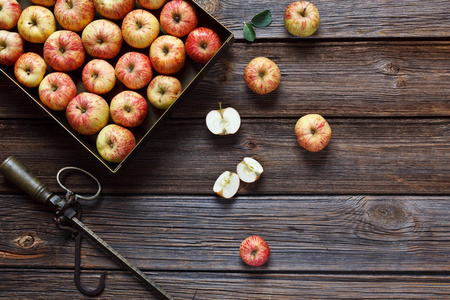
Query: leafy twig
{"points": [[263, 19]]}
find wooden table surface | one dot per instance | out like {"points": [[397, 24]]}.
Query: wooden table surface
{"points": [[368, 217]]}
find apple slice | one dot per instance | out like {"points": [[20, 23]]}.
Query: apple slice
{"points": [[223, 121], [227, 184], [249, 170]]}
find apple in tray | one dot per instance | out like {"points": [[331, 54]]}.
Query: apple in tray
{"points": [[114, 9], [98, 76], [56, 90], [102, 39], [128, 109], [152, 4], [178, 18], [74, 14], [167, 54], [36, 24], [10, 11], [313, 132], [30, 69], [134, 70], [115, 142], [262, 75], [163, 90], [87, 113], [201, 44], [47, 3], [11, 47], [64, 51], [140, 28]]}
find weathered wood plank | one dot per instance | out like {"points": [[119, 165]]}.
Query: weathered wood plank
{"points": [[57, 284], [365, 156], [334, 79], [182, 233], [342, 19]]}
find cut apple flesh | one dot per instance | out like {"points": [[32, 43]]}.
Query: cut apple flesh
{"points": [[249, 170], [227, 184], [223, 122]]}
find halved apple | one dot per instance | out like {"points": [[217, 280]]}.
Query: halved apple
{"points": [[249, 170], [227, 184], [223, 121]]}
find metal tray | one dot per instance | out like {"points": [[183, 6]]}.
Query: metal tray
{"points": [[189, 76]]}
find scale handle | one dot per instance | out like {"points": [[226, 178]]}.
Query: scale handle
{"points": [[17, 173]]}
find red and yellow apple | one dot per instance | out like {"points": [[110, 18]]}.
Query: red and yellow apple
{"points": [[114, 9], [56, 90], [134, 70], [254, 251], [10, 11], [313, 132], [167, 54], [74, 14], [115, 142], [64, 51], [128, 109], [163, 90], [301, 18], [178, 18], [30, 69], [11, 47], [98, 76], [140, 28], [36, 24], [262, 75], [87, 113], [102, 39], [201, 44]]}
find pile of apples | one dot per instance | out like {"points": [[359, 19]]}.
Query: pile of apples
{"points": [[92, 46]]}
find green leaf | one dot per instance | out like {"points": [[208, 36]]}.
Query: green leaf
{"points": [[249, 32], [262, 19]]}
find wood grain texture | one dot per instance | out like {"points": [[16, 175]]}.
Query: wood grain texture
{"points": [[203, 233], [342, 18], [365, 156], [359, 79], [55, 284]]}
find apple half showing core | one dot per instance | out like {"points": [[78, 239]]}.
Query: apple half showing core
{"points": [[227, 184], [223, 121]]}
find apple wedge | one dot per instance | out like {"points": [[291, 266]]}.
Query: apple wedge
{"points": [[249, 170], [227, 184], [223, 121]]}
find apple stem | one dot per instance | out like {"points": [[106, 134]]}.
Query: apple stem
{"points": [[220, 109]]}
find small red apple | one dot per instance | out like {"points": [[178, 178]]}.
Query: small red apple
{"points": [[128, 109], [254, 251], [201, 44], [30, 69], [56, 90], [87, 113], [163, 91], [178, 18], [11, 47], [98, 76], [64, 51], [313, 132], [140, 28], [102, 39], [74, 14], [134, 70], [114, 9], [10, 11], [167, 54], [115, 142]]}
